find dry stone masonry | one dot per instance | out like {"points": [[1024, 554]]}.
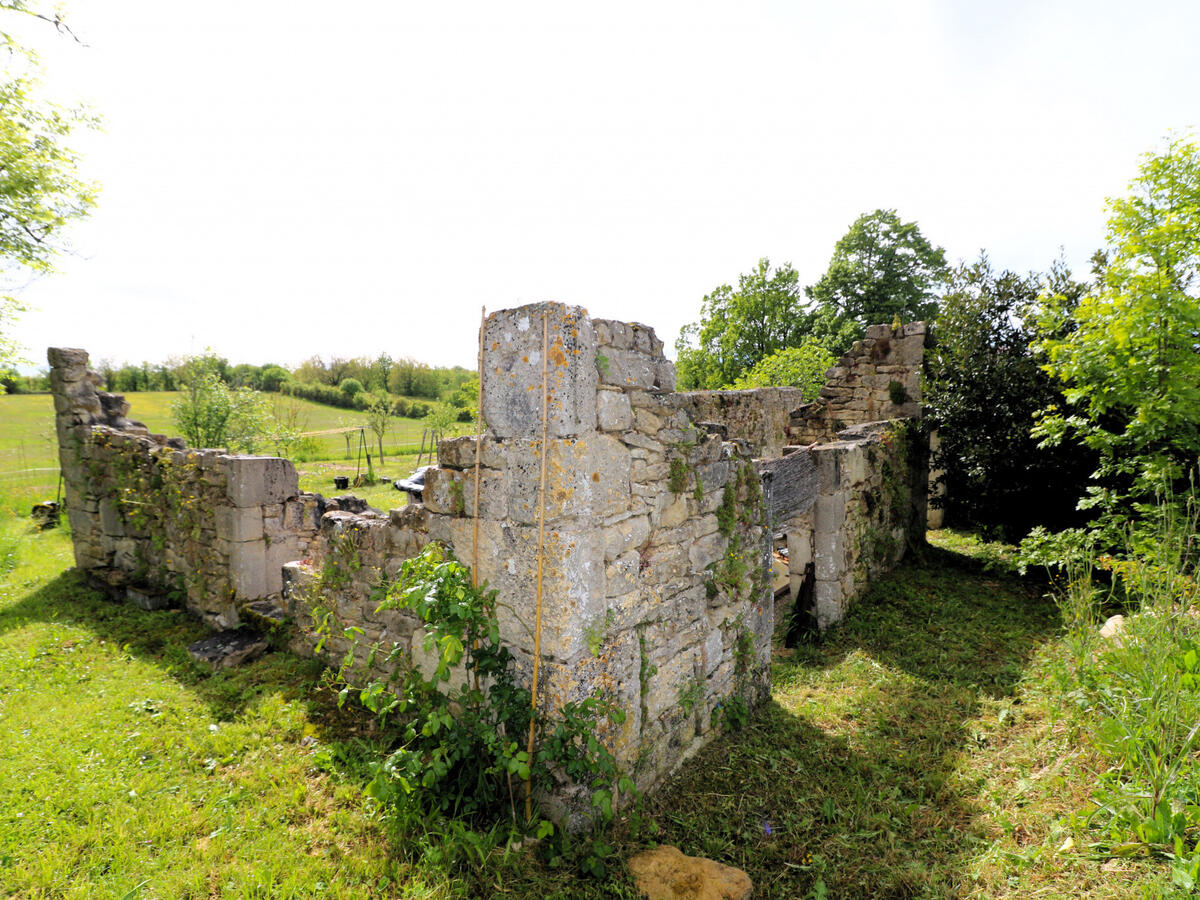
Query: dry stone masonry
{"points": [[660, 509]]}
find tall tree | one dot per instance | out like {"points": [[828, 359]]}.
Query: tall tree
{"points": [[40, 191], [983, 385], [739, 327], [1127, 353], [881, 268]]}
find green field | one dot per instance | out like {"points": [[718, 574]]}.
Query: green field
{"points": [[29, 449]]}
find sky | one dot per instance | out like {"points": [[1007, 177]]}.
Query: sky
{"points": [[284, 179]]}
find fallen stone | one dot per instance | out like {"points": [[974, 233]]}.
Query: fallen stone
{"points": [[666, 873], [265, 614], [1112, 628], [227, 649], [147, 600]]}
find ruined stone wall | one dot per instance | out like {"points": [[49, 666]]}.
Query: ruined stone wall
{"points": [[878, 378], [869, 510], [165, 524], [758, 416], [656, 585]]}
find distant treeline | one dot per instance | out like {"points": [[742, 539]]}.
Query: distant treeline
{"points": [[339, 382]]}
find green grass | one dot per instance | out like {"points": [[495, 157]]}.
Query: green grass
{"points": [[918, 751], [29, 449]]}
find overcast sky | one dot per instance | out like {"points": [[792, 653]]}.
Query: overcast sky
{"points": [[282, 179]]}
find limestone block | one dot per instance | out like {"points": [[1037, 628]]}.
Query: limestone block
{"points": [[706, 550], [66, 357], [830, 511], [110, 518], [665, 375], [629, 369], [587, 477], [829, 554], [234, 523], [800, 550], [634, 439], [444, 491], [714, 650], [573, 589], [512, 371], [613, 411], [854, 465], [621, 576], [459, 453], [256, 480], [248, 570], [665, 562], [828, 598], [629, 534], [670, 511]]}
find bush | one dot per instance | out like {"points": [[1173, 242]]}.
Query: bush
{"points": [[462, 751], [351, 387], [983, 386]]}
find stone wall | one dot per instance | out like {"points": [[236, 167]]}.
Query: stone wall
{"points": [[869, 509], [759, 417], [165, 524], [655, 584], [878, 378], [657, 527]]}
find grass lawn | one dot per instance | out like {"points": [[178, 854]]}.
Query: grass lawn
{"points": [[915, 752]]}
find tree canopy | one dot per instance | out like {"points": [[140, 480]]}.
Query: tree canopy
{"points": [[1127, 353], [881, 268], [40, 190], [740, 326]]}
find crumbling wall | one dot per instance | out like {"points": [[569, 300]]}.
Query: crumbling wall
{"points": [[759, 417], [878, 378], [654, 561], [869, 509], [655, 550], [165, 524]]}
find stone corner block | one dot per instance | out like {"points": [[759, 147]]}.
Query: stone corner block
{"points": [[257, 480], [512, 371]]}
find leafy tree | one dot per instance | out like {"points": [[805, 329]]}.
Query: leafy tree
{"points": [[273, 377], [983, 385], [379, 417], [739, 327], [881, 268], [414, 379], [211, 414], [1127, 353], [351, 387], [40, 191], [802, 367]]}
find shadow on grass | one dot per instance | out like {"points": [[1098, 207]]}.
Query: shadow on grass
{"points": [[161, 638], [851, 774]]}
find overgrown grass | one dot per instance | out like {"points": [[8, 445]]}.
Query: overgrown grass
{"points": [[919, 751]]}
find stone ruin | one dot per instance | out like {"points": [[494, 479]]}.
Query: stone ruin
{"points": [[662, 513]]}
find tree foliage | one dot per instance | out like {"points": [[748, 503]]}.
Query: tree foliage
{"points": [[1127, 353], [211, 414], [983, 386], [803, 367], [881, 268], [40, 191], [739, 327]]}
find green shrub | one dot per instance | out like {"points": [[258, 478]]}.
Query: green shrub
{"points": [[461, 730]]}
